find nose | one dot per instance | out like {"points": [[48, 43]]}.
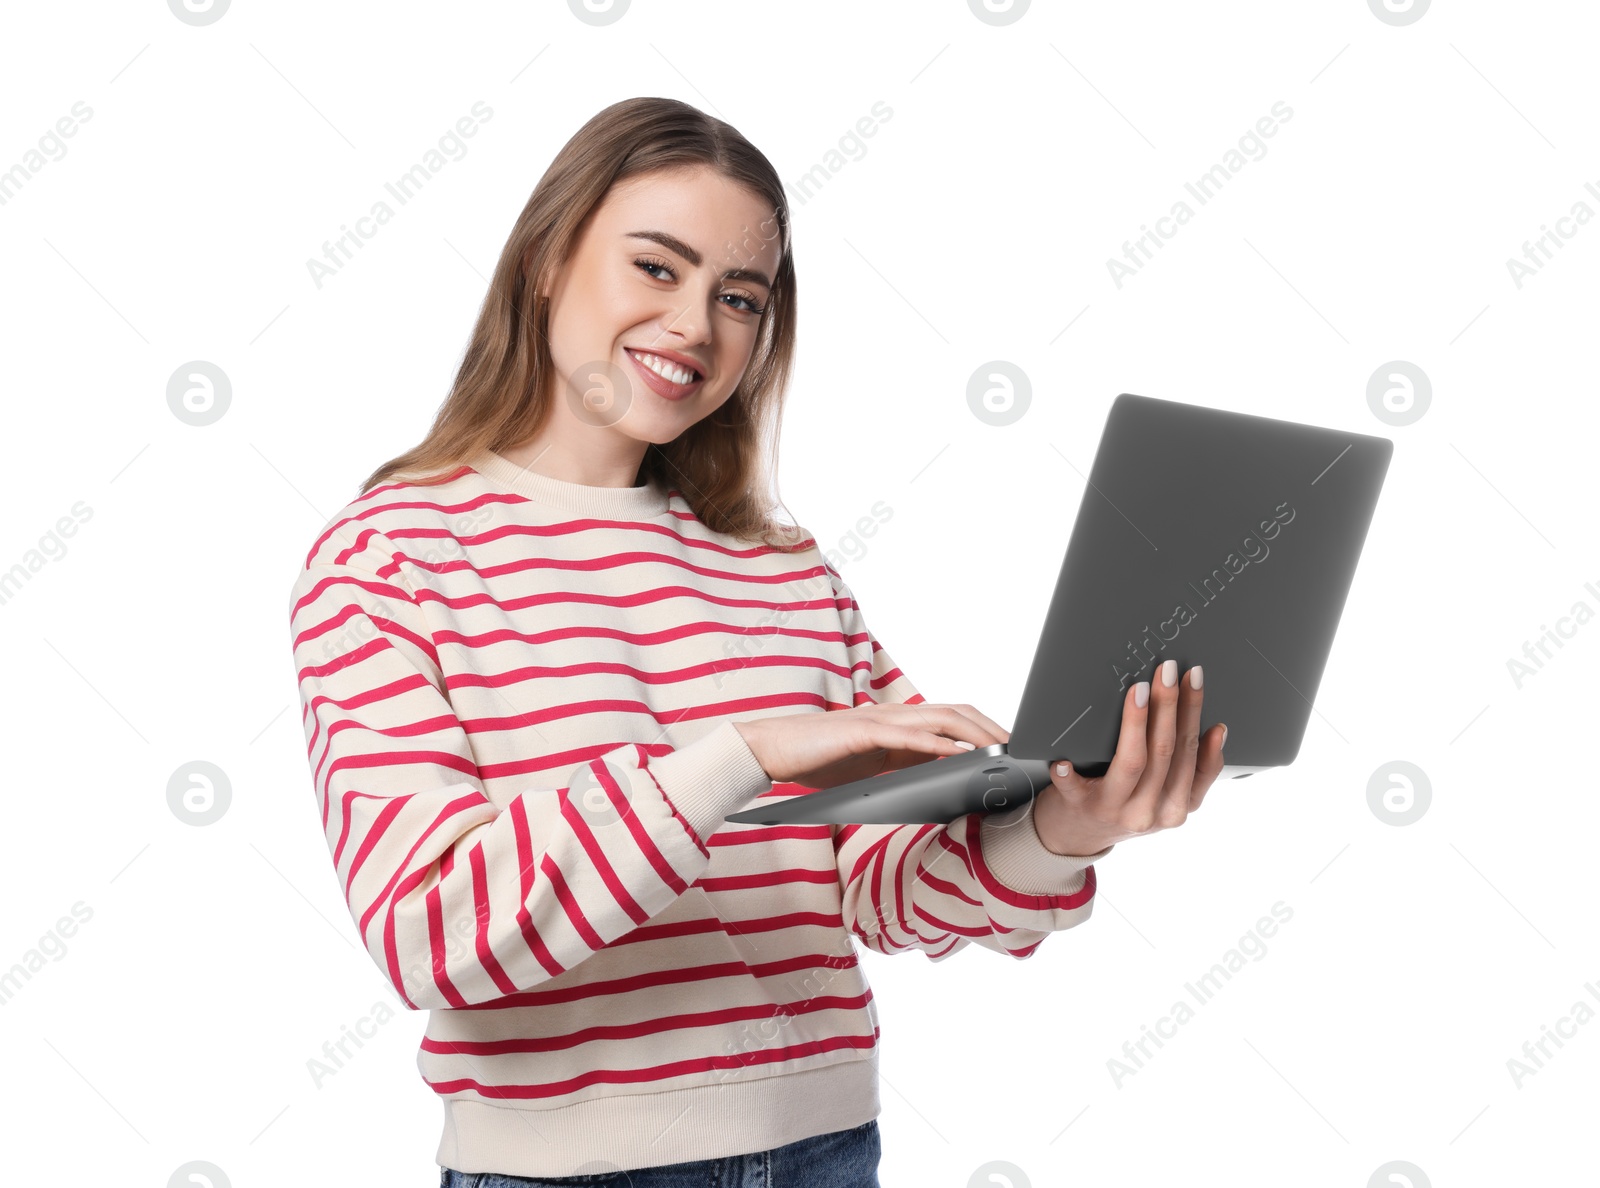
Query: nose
{"points": [[691, 320]]}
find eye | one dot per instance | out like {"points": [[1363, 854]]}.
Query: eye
{"points": [[748, 300], [645, 264]]}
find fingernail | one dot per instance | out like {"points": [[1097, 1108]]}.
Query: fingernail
{"points": [[1063, 770], [965, 746], [1141, 693], [1169, 673], [1224, 739], [1194, 677]]}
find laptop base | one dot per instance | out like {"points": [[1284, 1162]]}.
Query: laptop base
{"points": [[930, 792]]}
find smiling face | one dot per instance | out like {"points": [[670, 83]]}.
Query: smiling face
{"points": [[678, 263]]}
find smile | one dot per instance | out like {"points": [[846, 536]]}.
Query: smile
{"points": [[664, 377]]}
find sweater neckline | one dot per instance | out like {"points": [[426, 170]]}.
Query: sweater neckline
{"points": [[642, 502]]}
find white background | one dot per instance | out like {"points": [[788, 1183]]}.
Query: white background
{"points": [[177, 1022]]}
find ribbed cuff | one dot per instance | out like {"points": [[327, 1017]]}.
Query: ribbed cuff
{"points": [[1015, 855], [713, 776]]}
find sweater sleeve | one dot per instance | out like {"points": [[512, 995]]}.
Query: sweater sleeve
{"points": [[984, 877], [460, 901]]}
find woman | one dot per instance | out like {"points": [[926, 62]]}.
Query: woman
{"points": [[548, 650]]}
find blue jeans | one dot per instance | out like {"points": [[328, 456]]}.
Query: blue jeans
{"points": [[842, 1159]]}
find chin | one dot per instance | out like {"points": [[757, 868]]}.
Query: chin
{"points": [[655, 434], [664, 428]]}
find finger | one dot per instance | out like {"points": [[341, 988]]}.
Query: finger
{"points": [[1127, 765], [1160, 739], [913, 738], [1209, 765], [1173, 806], [958, 721], [997, 733]]}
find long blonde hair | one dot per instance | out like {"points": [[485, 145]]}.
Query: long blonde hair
{"points": [[722, 464]]}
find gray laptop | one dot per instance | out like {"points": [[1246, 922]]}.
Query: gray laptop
{"points": [[1204, 536]]}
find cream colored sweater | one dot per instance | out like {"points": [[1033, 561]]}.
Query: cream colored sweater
{"points": [[518, 696]]}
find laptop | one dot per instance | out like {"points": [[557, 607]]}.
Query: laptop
{"points": [[1203, 536]]}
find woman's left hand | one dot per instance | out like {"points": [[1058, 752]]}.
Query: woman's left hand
{"points": [[1158, 776]]}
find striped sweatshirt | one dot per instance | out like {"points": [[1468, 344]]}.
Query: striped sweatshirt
{"points": [[519, 697]]}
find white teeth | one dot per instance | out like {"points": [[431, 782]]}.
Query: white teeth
{"points": [[663, 368]]}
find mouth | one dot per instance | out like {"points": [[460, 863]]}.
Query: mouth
{"points": [[660, 384]]}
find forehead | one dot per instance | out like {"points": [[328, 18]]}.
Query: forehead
{"points": [[724, 221]]}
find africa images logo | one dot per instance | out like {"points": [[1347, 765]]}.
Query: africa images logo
{"points": [[1253, 549]]}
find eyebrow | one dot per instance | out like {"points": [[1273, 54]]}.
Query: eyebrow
{"points": [[673, 244]]}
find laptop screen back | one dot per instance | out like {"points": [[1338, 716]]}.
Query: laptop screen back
{"points": [[1207, 537]]}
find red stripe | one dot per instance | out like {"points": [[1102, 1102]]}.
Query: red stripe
{"points": [[658, 1072], [668, 717], [342, 557], [480, 912], [368, 650], [373, 494], [877, 886], [543, 532], [597, 564], [399, 882], [597, 856], [535, 942], [569, 903], [995, 889], [562, 761], [646, 843], [900, 906], [319, 700], [435, 918], [478, 679], [753, 835], [676, 976], [947, 888], [779, 877], [312, 595], [443, 759], [525, 854], [731, 928], [657, 1025], [634, 598]]}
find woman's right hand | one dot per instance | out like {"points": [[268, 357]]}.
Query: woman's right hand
{"points": [[828, 749]]}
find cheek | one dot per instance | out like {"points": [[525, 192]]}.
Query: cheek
{"points": [[737, 349], [594, 317], [616, 306]]}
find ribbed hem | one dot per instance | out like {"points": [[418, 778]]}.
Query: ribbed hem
{"points": [[1015, 855], [639, 1130], [713, 776], [621, 503]]}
